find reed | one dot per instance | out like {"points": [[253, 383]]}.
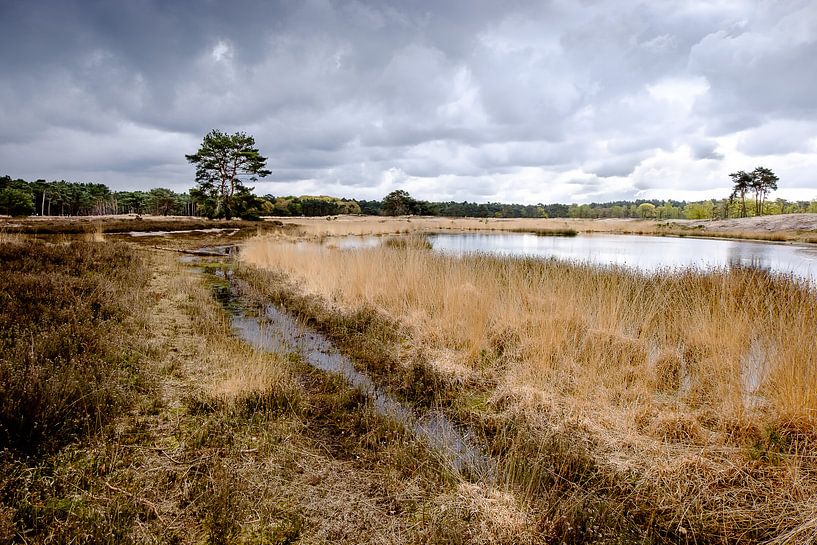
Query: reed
{"points": [[739, 342], [699, 389]]}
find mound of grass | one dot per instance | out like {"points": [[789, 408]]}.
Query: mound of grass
{"points": [[417, 242]]}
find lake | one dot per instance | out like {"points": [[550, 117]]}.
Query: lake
{"points": [[646, 253]]}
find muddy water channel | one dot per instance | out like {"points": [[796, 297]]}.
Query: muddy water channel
{"points": [[272, 329]]}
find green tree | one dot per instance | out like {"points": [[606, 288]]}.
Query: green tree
{"points": [[16, 197], [132, 202], [646, 210], [398, 203], [667, 211], [162, 202], [16, 202], [741, 183], [580, 211], [221, 162], [763, 181], [699, 210]]}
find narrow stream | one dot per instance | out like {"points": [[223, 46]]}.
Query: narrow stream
{"points": [[277, 331]]}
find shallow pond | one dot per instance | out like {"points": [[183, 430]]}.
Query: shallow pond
{"points": [[647, 253], [642, 252]]}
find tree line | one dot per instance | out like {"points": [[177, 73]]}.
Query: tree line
{"points": [[225, 161], [61, 198], [401, 203]]}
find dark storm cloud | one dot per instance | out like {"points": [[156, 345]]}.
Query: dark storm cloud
{"points": [[525, 101]]}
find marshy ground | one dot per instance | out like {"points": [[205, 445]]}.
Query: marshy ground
{"points": [[207, 439], [131, 413]]}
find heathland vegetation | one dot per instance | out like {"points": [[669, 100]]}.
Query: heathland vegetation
{"points": [[616, 406], [63, 369], [131, 414]]}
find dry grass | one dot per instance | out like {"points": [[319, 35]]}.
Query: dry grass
{"points": [[90, 225], [231, 372], [325, 467], [66, 355], [375, 225], [582, 327], [699, 387]]}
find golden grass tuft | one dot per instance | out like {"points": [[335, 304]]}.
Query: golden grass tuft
{"points": [[475, 513], [236, 373]]}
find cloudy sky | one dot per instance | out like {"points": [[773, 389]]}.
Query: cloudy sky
{"points": [[515, 101]]}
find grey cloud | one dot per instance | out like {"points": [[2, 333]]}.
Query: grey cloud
{"points": [[453, 98], [619, 166], [705, 148], [779, 137], [765, 66]]}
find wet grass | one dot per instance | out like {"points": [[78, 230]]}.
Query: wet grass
{"points": [[570, 497], [324, 418]]}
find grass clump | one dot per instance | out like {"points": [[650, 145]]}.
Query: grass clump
{"points": [[415, 241], [546, 232]]}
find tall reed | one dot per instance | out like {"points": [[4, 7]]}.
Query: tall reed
{"points": [[733, 348]]}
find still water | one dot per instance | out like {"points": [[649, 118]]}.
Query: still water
{"points": [[646, 253]]}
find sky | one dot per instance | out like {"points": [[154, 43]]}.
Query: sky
{"points": [[478, 100]]}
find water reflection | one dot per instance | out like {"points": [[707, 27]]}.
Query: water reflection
{"points": [[649, 254], [755, 257], [645, 253]]}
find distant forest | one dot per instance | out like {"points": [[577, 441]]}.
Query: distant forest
{"points": [[60, 198]]}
